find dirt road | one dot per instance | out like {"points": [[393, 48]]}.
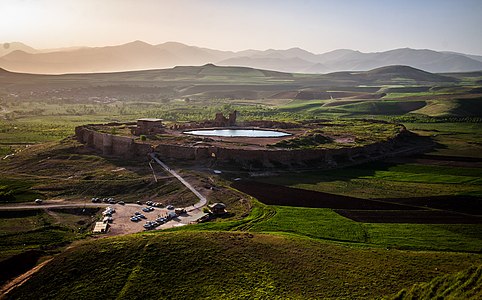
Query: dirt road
{"points": [[202, 200], [18, 281]]}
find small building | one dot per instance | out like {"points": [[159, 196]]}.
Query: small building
{"points": [[101, 227], [149, 126], [217, 208], [201, 218], [171, 215]]}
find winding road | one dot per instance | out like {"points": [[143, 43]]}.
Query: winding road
{"points": [[202, 200]]}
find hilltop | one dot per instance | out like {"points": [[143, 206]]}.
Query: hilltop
{"points": [[210, 73], [393, 73]]}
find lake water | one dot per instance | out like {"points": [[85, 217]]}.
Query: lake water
{"points": [[238, 133]]}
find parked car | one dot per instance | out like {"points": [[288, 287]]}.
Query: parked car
{"points": [[108, 219], [180, 211], [137, 213], [149, 203], [142, 216], [139, 202], [170, 207], [38, 201], [121, 203], [135, 219], [96, 200]]}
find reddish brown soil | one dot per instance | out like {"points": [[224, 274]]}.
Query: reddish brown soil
{"points": [[412, 217], [280, 195], [462, 204], [449, 158], [427, 210], [440, 160]]}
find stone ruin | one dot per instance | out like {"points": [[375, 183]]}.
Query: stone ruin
{"points": [[221, 121], [149, 126]]}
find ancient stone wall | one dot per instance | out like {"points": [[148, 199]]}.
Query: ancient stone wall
{"points": [[276, 157], [110, 144], [248, 158]]}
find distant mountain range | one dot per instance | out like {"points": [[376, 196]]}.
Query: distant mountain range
{"points": [[139, 55]]}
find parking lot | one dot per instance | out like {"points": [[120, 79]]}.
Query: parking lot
{"points": [[122, 223]]}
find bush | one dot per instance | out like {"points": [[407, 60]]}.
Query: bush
{"points": [[6, 194]]}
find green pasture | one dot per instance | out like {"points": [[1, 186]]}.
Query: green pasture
{"points": [[232, 265], [325, 224], [387, 180]]}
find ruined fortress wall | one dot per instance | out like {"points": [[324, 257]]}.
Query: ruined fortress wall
{"points": [[110, 144], [129, 148], [98, 140], [142, 149], [177, 152]]}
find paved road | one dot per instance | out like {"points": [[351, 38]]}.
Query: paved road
{"points": [[53, 205], [202, 200]]}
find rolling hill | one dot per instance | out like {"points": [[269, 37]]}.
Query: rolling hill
{"points": [[211, 81], [387, 90], [466, 284], [230, 265], [139, 55]]}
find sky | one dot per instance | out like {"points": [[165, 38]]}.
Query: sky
{"points": [[317, 26]]}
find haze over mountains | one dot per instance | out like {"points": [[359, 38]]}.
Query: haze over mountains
{"points": [[139, 55]]}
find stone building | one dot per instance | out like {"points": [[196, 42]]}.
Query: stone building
{"points": [[221, 121], [149, 126]]}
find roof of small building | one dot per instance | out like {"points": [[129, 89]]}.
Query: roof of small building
{"points": [[150, 120], [202, 216], [100, 227], [217, 205]]}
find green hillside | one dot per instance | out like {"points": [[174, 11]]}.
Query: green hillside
{"points": [[463, 285], [231, 265]]}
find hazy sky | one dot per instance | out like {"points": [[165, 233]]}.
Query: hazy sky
{"points": [[317, 26]]}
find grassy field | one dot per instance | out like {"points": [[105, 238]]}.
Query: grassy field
{"points": [[231, 266], [455, 139], [400, 180], [325, 224], [59, 171], [466, 284], [39, 229], [29, 235]]}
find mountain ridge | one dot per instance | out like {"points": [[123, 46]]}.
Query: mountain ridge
{"points": [[139, 55]]}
